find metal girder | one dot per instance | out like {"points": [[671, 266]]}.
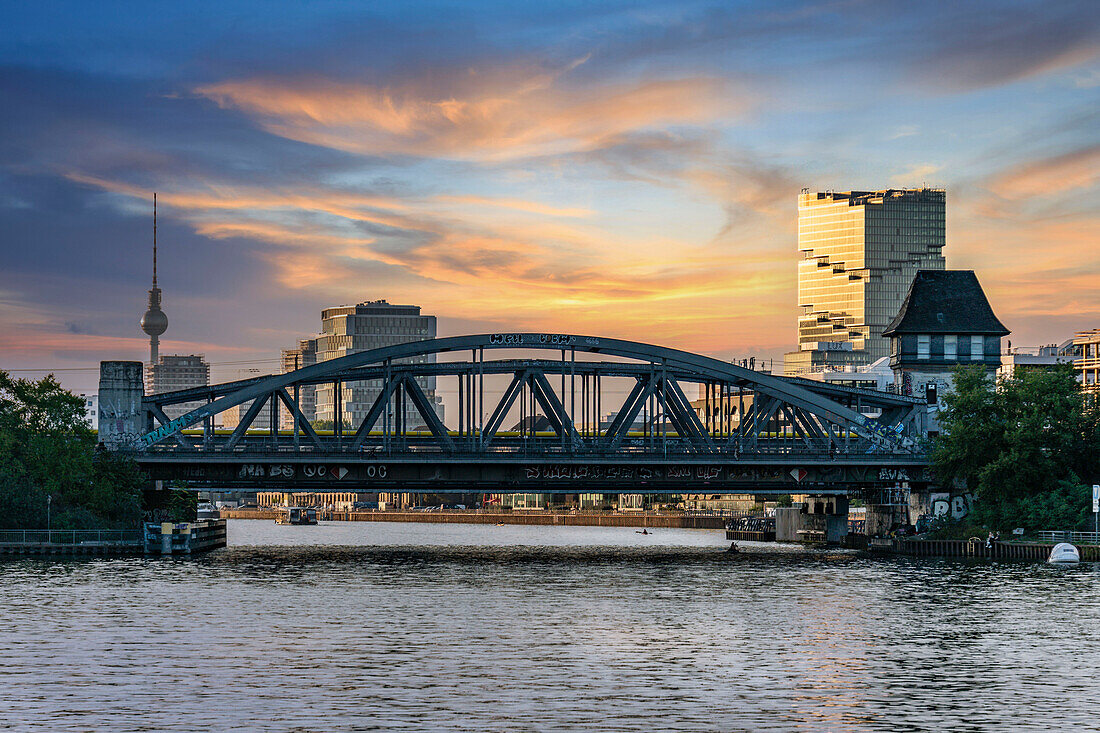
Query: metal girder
{"points": [[299, 418], [424, 407], [250, 416], [375, 411], [505, 404], [796, 428], [159, 414], [555, 410], [614, 440], [688, 417]]}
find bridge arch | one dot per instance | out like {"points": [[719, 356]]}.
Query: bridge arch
{"points": [[820, 416]]}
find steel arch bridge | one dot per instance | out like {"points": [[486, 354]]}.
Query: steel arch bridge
{"points": [[747, 429]]}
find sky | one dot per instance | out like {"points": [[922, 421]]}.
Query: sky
{"points": [[619, 169]]}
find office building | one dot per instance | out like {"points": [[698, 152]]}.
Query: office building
{"points": [[293, 359], [175, 373], [350, 329], [1087, 363], [1023, 358], [859, 253], [232, 416]]}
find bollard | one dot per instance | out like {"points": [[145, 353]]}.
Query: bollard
{"points": [[166, 538]]}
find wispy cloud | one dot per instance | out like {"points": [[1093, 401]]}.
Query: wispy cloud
{"points": [[478, 115]]}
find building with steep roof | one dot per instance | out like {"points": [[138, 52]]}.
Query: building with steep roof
{"points": [[945, 321]]}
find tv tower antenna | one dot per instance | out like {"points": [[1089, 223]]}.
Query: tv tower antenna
{"points": [[154, 322]]}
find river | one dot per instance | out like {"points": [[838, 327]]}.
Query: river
{"points": [[446, 627]]}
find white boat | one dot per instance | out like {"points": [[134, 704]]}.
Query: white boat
{"points": [[206, 510], [1064, 554]]}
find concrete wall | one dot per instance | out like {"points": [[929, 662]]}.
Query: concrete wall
{"points": [[794, 524], [121, 418]]}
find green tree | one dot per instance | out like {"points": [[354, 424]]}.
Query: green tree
{"points": [[1025, 446], [47, 450]]}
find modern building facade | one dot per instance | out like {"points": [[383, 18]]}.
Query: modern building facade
{"points": [[945, 321], [91, 410], [1087, 363], [859, 253], [293, 359], [350, 329], [1024, 358], [173, 373]]}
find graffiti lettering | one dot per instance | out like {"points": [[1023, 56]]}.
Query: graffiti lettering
{"points": [[251, 470], [956, 506], [505, 338], [283, 471], [893, 474], [376, 471]]}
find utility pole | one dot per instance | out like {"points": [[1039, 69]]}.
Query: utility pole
{"points": [[49, 500]]}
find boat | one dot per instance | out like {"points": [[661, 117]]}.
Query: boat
{"points": [[297, 515], [206, 510], [1064, 554]]}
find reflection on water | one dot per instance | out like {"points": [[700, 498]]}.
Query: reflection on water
{"points": [[370, 626]]}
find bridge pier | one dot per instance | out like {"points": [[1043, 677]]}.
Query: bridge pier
{"points": [[122, 417], [818, 519]]}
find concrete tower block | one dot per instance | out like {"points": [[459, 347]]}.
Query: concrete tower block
{"points": [[121, 418]]}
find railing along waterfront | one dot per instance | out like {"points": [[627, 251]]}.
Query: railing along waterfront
{"points": [[71, 537], [1091, 538]]}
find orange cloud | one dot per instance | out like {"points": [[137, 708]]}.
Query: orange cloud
{"points": [[495, 116], [1078, 169]]}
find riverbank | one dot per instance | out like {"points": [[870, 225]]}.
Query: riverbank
{"points": [[566, 519]]}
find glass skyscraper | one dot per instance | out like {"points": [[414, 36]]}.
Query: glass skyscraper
{"points": [[859, 253]]}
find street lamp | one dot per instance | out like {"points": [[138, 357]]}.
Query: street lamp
{"points": [[49, 500]]}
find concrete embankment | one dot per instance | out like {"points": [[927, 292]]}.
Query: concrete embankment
{"points": [[567, 519]]}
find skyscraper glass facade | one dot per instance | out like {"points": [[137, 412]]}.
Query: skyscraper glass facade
{"points": [[859, 253]]}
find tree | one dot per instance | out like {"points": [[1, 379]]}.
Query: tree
{"points": [[46, 449], [1025, 447]]}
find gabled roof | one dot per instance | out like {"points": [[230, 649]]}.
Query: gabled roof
{"points": [[946, 301]]}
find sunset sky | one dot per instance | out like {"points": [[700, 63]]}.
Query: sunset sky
{"points": [[619, 169]]}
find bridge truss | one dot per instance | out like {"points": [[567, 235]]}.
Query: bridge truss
{"points": [[527, 415]]}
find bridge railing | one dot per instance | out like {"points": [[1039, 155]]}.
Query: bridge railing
{"points": [[531, 447]]}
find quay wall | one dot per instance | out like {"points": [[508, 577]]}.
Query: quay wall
{"points": [[566, 519]]}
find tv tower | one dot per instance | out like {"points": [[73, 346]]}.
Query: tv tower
{"points": [[154, 322]]}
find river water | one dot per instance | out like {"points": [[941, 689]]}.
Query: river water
{"points": [[429, 627]]}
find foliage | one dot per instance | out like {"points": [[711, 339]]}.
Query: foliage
{"points": [[784, 500], [1026, 447], [47, 454]]}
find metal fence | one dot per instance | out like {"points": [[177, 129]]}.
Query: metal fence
{"points": [[1084, 538], [70, 537]]}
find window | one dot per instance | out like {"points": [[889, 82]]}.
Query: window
{"points": [[924, 345], [950, 347], [976, 352]]}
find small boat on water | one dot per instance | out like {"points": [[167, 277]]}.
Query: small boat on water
{"points": [[297, 515], [206, 510], [1064, 554]]}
